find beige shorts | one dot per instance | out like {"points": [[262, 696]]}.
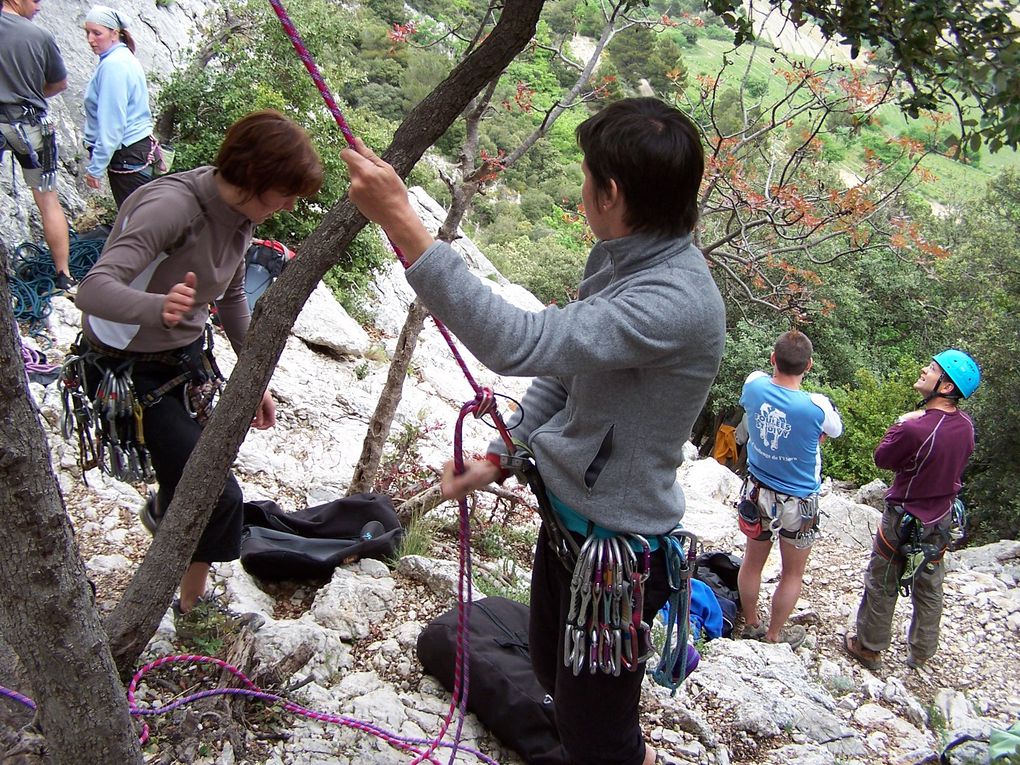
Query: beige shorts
{"points": [[794, 519], [15, 136]]}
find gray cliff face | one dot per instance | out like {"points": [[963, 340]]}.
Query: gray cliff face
{"points": [[163, 36]]}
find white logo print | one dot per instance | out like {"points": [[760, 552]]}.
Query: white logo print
{"points": [[772, 424]]}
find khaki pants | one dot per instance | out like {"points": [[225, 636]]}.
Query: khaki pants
{"points": [[881, 590]]}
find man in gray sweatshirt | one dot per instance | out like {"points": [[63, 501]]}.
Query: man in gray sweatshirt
{"points": [[620, 376]]}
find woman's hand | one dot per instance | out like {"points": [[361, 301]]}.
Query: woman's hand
{"points": [[91, 181], [477, 473], [179, 300], [265, 415], [381, 197]]}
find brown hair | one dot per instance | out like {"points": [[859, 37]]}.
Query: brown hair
{"points": [[793, 352], [127, 39], [267, 151]]}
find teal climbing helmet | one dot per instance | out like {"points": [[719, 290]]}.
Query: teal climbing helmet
{"points": [[961, 369]]}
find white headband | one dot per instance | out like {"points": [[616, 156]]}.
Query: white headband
{"points": [[107, 17]]}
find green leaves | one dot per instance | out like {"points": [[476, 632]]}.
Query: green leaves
{"points": [[939, 47]]}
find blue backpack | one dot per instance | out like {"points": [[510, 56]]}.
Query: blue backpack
{"points": [[263, 263]]}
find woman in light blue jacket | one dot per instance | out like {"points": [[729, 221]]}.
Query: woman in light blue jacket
{"points": [[118, 123]]}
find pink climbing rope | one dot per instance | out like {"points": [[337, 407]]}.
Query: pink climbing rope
{"points": [[483, 404], [249, 690]]}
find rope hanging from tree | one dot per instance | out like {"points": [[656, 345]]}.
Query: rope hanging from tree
{"points": [[482, 405]]}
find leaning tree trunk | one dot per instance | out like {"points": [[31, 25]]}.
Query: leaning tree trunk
{"points": [[136, 617], [386, 408], [47, 613]]}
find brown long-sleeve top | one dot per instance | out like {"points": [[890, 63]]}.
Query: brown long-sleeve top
{"points": [[176, 224]]}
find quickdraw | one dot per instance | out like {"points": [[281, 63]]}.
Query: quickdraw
{"points": [[107, 424], [605, 625], [680, 563]]}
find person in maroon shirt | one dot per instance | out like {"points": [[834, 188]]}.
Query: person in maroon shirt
{"points": [[928, 450]]}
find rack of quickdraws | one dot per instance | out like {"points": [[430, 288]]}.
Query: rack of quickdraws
{"points": [[108, 427], [605, 626]]}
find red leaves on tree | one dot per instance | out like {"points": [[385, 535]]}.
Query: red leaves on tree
{"points": [[522, 98], [401, 34]]}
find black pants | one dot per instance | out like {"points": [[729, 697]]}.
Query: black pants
{"points": [[597, 715], [171, 435], [123, 183]]}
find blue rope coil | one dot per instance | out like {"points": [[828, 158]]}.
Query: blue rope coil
{"points": [[32, 277]]}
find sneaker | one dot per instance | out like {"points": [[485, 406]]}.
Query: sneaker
{"points": [[65, 283], [793, 635], [150, 515], [870, 659]]}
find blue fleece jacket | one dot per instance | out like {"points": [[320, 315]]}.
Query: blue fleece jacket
{"points": [[116, 107], [621, 373]]}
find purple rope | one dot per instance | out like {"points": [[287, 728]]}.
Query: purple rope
{"points": [[483, 404], [306, 58], [35, 362], [251, 691]]}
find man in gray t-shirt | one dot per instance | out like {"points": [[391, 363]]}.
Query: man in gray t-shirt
{"points": [[31, 70]]}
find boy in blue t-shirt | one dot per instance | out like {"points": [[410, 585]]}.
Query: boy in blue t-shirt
{"points": [[780, 495]]}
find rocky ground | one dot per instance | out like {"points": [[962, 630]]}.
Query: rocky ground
{"points": [[346, 646]]}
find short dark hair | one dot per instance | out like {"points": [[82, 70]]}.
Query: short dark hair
{"points": [[793, 352], [267, 151], [654, 154]]}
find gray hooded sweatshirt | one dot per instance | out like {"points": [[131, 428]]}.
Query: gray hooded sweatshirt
{"points": [[621, 373]]}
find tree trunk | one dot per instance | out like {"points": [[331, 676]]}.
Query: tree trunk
{"points": [[136, 617], [386, 408], [47, 613]]}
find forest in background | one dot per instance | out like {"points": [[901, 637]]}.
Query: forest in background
{"points": [[824, 206]]}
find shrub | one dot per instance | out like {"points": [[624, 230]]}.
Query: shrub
{"points": [[868, 407]]}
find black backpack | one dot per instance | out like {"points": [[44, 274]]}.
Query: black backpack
{"points": [[310, 543], [503, 690], [719, 571]]}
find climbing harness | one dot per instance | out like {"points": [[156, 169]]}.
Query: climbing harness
{"points": [[521, 462], [751, 518], [912, 552], [107, 418], [46, 158]]}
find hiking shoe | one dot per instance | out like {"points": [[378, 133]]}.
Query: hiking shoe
{"points": [[793, 635], [915, 662], [753, 632], [65, 283], [870, 659], [151, 516]]}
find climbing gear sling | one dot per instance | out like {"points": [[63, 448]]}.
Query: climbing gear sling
{"points": [[913, 551]]}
